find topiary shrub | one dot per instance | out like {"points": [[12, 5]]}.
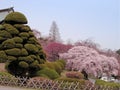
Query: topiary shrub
{"points": [[20, 46], [52, 74], [15, 18]]}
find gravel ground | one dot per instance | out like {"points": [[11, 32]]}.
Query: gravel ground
{"points": [[12, 88]]}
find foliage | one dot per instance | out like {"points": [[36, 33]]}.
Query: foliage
{"points": [[82, 57], [16, 18], [52, 74]]}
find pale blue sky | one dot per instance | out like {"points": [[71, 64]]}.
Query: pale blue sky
{"points": [[98, 20]]}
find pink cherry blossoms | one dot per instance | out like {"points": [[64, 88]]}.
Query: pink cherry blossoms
{"points": [[82, 57]]}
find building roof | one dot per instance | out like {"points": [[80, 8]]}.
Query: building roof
{"points": [[5, 12]]}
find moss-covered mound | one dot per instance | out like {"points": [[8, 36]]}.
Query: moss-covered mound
{"points": [[16, 17], [19, 47]]}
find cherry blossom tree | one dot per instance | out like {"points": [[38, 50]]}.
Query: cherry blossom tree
{"points": [[85, 58], [53, 49]]}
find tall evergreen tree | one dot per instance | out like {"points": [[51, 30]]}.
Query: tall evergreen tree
{"points": [[54, 32]]}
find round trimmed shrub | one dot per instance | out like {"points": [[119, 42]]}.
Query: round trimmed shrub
{"points": [[23, 64], [24, 52], [11, 29], [33, 56], [18, 26], [3, 57], [18, 40], [27, 59], [2, 39], [2, 27], [16, 18], [11, 58], [25, 28], [31, 48], [52, 74], [17, 45], [32, 40], [13, 52], [24, 34], [31, 34], [8, 44], [5, 34]]}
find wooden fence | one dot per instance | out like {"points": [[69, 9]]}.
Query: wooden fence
{"points": [[49, 84]]}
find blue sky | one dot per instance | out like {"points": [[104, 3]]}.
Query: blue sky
{"points": [[98, 20]]}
